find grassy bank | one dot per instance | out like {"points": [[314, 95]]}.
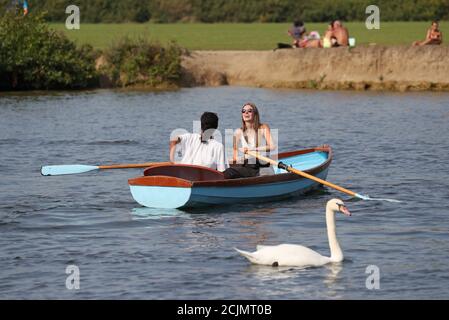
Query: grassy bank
{"points": [[239, 36]]}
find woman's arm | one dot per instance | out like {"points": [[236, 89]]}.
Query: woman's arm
{"points": [[268, 138], [235, 142]]}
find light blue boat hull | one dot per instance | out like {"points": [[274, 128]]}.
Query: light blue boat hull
{"points": [[174, 197], [250, 194], [278, 186]]}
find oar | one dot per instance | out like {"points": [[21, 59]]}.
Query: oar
{"points": [[80, 168], [282, 165]]}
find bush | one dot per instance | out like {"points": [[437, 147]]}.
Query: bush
{"points": [[32, 56], [141, 62]]}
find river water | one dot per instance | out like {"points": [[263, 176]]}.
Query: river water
{"points": [[388, 145]]}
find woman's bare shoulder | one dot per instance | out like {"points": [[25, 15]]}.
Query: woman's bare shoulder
{"points": [[238, 131]]}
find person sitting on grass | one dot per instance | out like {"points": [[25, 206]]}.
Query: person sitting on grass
{"points": [[433, 37], [297, 32], [328, 36], [312, 40], [340, 33]]}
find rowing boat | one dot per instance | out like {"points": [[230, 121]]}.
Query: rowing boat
{"points": [[186, 186]]}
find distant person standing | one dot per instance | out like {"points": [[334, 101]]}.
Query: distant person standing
{"points": [[25, 7], [17, 6], [297, 32], [434, 36], [340, 33]]}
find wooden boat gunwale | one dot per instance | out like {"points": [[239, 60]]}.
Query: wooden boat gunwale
{"points": [[280, 177], [172, 181]]}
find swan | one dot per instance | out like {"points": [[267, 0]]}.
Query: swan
{"points": [[292, 255]]}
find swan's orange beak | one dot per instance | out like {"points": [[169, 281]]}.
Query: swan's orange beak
{"points": [[345, 211]]}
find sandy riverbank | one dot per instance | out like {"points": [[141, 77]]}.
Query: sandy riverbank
{"points": [[363, 68]]}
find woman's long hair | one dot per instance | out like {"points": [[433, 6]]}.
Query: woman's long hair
{"points": [[256, 124]]}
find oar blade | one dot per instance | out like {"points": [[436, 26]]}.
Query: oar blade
{"points": [[66, 169], [361, 196]]}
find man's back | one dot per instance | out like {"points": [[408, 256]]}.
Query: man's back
{"points": [[210, 153], [342, 36]]}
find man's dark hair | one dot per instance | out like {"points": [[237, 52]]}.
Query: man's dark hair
{"points": [[298, 23], [209, 120]]}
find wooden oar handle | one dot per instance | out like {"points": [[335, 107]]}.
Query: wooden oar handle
{"points": [[130, 166], [301, 173], [326, 183]]}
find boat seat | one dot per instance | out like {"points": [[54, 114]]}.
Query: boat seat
{"points": [[268, 171], [184, 171]]}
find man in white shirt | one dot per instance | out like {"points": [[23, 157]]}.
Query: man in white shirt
{"points": [[201, 149]]}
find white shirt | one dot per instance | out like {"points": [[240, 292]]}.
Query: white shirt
{"points": [[251, 143], [208, 154]]}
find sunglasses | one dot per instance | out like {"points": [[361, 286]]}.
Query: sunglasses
{"points": [[247, 110]]}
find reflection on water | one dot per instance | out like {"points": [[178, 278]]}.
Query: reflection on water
{"points": [[154, 213], [299, 281], [253, 226], [332, 279], [268, 273]]}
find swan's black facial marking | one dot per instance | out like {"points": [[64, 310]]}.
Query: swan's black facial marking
{"points": [[343, 209], [275, 264]]}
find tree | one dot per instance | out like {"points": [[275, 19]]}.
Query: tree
{"points": [[32, 56]]}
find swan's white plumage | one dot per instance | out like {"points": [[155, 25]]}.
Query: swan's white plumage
{"points": [[288, 255], [296, 255]]}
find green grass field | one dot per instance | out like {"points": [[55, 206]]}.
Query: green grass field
{"points": [[240, 36]]}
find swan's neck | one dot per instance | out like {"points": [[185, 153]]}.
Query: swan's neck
{"points": [[336, 253]]}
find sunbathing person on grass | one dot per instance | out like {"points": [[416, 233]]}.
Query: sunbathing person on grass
{"points": [[433, 37]]}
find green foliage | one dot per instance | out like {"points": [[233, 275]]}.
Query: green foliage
{"points": [[108, 11], [142, 62], [171, 10], [32, 56]]}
